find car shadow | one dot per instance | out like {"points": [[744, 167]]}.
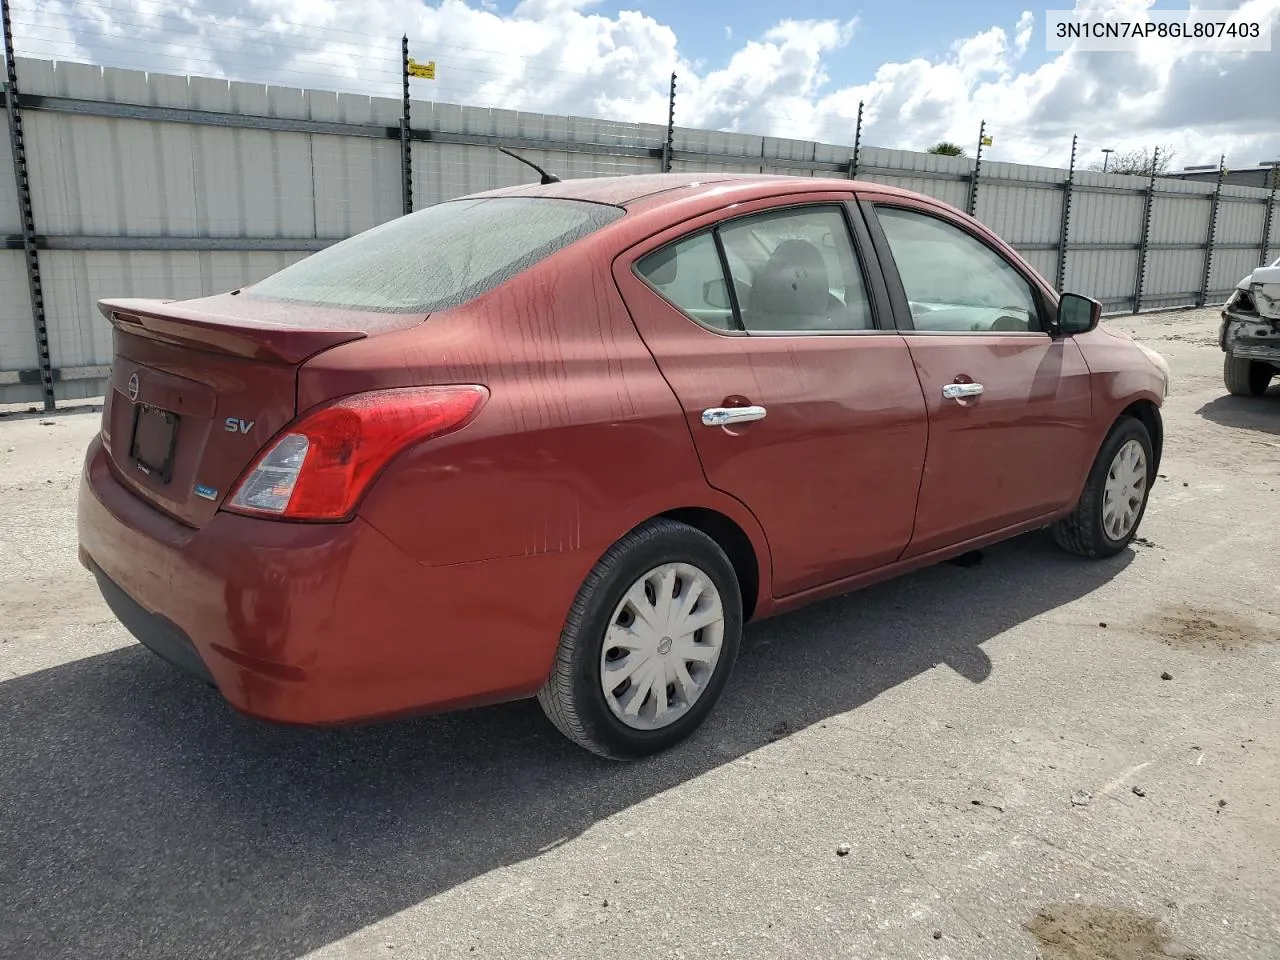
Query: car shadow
{"points": [[144, 818], [1246, 413]]}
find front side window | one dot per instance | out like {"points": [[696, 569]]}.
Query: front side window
{"points": [[793, 271], [438, 257], [953, 281]]}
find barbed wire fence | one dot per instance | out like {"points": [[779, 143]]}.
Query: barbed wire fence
{"points": [[176, 161]]}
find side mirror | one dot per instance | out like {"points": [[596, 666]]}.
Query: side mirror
{"points": [[1077, 314], [716, 294]]}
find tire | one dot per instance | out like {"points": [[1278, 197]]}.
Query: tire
{"points": [[1088, 530], [574, 698], [1245, 377]]}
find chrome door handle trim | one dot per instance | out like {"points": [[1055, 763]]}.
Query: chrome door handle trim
{"points": [[723, 416], [957, 391]]}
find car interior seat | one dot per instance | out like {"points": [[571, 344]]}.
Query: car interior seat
{"points": [[792, 291]]}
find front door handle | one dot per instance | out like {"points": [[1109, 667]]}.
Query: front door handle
{"points": [[958, 391], [723, 416]]}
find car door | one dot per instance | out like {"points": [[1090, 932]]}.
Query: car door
{"points": [[1009, 404], [800, 396]]}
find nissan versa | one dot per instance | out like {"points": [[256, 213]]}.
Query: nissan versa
{"points": [[565, 439]]}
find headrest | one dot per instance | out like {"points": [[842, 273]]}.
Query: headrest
{"points": [[793, 282]]}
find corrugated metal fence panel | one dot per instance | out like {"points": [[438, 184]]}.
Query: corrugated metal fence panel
{"points": [[713, 142], [101, 176], [17, 335], [1273, 245], [1106, 218], [10, 220], [355, 180], [1240, 218], [903, 164], [443, 171], [1172, 277], [1106, 275], [74, 282], [252, 183], [1182, 219], [1018, 212], [122, 177], [1045, 263], [92, 175], [1229, 268]]}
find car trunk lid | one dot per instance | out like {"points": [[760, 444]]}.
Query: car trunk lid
{"points": [[199, 387]]}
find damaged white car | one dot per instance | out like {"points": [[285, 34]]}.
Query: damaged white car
{"points": [[1250, 333]]}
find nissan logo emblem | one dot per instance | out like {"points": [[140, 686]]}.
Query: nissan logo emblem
{"points": [[133, 387]]}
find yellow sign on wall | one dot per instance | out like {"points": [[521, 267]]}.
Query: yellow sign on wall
{"points": [[986, 141], [424, 71]]}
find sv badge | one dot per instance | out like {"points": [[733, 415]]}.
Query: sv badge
{"points": [[236, 425]]}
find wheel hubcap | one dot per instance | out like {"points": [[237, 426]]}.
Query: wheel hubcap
{"points": [[1125, 490], [662, 646]]}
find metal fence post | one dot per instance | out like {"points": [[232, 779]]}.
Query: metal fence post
{"points": [[1065, 232], [1270, 218], [1213, 230], [1141, 278], [857, 146], [671, 126], [406, 148], [977, 171], [18, 147]]}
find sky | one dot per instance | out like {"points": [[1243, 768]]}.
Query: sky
{"points": [[927, 70]]}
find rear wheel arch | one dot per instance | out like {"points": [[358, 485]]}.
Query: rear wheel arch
{"points": [[736, 544]]}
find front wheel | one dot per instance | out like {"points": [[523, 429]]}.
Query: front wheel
{"points": [[648, 645], [1115, 496], [1245, 377]]}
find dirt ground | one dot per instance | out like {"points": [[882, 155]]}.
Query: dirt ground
{"points": [[1027, 756]]}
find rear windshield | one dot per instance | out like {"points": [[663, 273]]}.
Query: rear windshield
{"points": [[438, 257]]}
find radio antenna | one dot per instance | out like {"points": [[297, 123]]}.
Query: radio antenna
{"points": [[546, 177]]}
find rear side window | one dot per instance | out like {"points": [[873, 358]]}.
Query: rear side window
{"points": [[438, 257], [689, 274], [794, 271]]}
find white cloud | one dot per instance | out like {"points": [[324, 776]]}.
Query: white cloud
{"points": [[1024, 32], [563, 56]]}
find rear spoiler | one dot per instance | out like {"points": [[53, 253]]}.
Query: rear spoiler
{"points": [[179, 323]]}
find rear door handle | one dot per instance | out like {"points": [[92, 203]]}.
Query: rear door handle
{"points": [[958, 391], [723, 416]]}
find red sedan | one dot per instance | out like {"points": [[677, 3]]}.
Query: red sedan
{"points": [[565, 439]]}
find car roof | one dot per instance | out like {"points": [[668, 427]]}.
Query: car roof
{"points": [[628, 190]]}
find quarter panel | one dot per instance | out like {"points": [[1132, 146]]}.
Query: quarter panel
{"points": [[580, 441]]}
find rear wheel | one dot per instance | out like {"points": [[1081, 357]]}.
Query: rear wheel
{"points": [[1115, 496], [648, 645], [1245, 377]]}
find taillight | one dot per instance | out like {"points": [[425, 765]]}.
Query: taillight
{"points": [[320, 468]]}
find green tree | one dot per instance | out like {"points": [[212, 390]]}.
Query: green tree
{"points": [[946, 148], [1137, 162]]}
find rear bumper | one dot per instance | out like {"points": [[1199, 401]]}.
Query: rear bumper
{"points": [[159, 635], [320, 623]]}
